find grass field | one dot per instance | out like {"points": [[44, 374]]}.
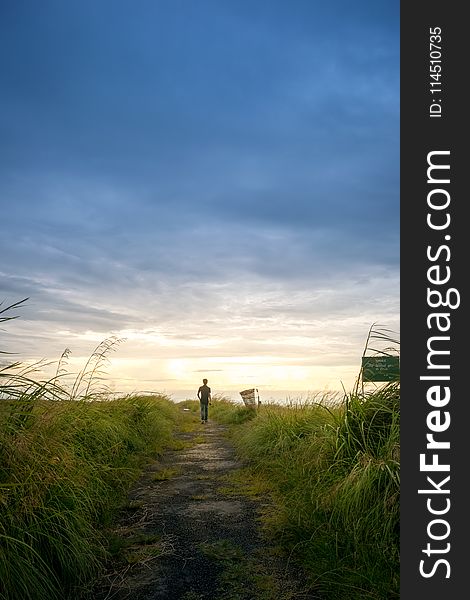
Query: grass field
{"points": [[333, 472], [68, 455], [65, 468]]}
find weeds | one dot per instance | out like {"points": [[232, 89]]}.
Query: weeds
{"points": [[165, 474], [67, 458], [333, 472]]}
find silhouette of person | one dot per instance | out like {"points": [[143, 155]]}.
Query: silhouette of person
{"points": [[204, 395]]}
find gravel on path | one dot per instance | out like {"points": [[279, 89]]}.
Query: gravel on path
{"points": [[187, 534]]}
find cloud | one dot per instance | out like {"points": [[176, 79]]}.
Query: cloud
{"points": [[216, 182]]}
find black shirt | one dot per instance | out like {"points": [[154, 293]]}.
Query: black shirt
{"points": [[203, 393]]}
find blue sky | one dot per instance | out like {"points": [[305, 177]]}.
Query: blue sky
{"points": [[215, 181]]}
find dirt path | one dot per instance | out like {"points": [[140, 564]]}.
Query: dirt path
{"points": [[190, 532]]}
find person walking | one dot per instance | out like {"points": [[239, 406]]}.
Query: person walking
{"points": [[204, 395]]}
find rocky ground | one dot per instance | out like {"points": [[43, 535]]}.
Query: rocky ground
{"points": [[191, 531]]}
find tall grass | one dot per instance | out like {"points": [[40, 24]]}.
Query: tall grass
{"points": [[64, 471], [67, 458], [334, 472]]}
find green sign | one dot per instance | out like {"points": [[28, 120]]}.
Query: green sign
{"points": [[380, 368]]}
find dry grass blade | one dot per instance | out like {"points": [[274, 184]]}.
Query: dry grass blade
{"points": [[93, 372], [4, 318], [10, 307]]}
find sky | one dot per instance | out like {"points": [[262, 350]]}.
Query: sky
{"points": [[215, 183]]}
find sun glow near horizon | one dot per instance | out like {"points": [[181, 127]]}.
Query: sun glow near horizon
{"points": [[234, 373], [234, 353]]}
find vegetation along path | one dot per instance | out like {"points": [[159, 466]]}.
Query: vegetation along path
{"points": [[190, 531]]}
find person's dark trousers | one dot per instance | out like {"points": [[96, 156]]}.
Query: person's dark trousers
{"points": [[204, 410]]}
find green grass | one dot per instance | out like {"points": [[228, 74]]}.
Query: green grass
{"points": [[63, 475], [254, 575], [166, 473], [333, 470], [68, 455]]}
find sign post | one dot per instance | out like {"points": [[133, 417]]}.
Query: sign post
{"points": [[380, 368]]}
